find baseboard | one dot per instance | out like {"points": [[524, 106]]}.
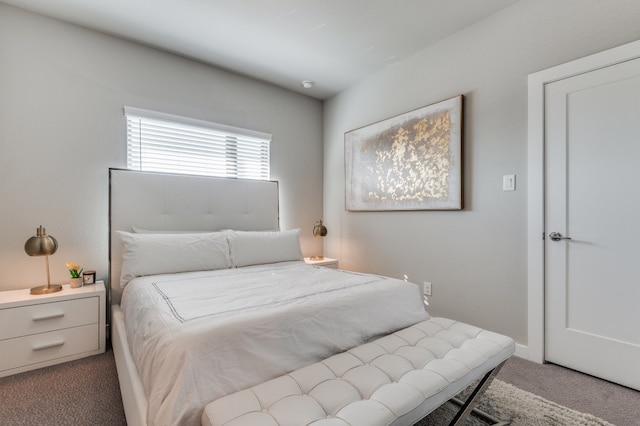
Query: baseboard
{"points": [[522, 351]]}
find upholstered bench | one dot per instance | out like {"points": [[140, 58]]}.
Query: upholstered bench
{"points": [[395, 380]]}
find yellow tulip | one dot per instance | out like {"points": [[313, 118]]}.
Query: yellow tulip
{"points": [[74, 270]]}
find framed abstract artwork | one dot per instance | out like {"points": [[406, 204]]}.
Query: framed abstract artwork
{"points": [[409, 162]]}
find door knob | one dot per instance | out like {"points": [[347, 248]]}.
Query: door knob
{"points": [[556, 236]]}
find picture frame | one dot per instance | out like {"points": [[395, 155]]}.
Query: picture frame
{"points": [[412, 161], [88, 277]]}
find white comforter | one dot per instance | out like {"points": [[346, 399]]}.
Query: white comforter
{"points": [[198, 336]]}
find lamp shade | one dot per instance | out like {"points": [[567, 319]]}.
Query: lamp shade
{"points": [[41, 245], [319, 230]]}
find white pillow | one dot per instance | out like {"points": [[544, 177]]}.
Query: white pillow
{"points": [[137, 230], [260, 247], [150, 254]]}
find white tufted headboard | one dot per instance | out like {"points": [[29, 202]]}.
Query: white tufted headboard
{"points": [[171, 202]]}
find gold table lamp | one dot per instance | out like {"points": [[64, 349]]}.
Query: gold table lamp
{"points": [[319, 230], [43, 245]]}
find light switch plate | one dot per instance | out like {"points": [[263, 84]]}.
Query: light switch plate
{"points": [[509, 182]]}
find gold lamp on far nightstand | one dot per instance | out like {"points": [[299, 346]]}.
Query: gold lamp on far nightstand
{"points": [[319, 230], [43, 245]]}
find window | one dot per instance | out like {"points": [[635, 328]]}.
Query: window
{"points": [[166, 143]]}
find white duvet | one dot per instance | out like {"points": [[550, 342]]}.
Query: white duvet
{"points": [[198, 336]]}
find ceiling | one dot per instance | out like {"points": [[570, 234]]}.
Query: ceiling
{"points": [[335, 43]]}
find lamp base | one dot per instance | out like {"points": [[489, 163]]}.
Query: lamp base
{"points": [[46, 289]]}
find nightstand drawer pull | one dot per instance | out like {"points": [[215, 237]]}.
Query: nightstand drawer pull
{"points": [[48, 316], [48, 345]]}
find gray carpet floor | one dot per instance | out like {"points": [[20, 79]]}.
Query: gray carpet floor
{"points": [[86, 392], [616, 404], [82, 392]]}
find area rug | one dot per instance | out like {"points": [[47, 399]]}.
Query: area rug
{"points": [[507, 402]]}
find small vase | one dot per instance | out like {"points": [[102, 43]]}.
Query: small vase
{"points": [[75, 282]]}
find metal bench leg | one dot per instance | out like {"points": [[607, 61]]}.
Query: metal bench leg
{"points": [[467, 407]]}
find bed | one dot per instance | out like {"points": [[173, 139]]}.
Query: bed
{"points": [[209, 296]]}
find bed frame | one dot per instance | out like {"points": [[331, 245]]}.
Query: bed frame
{"points": [[170, 202]]}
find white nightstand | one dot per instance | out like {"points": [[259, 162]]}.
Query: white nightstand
{"points": [[37, 331], [327, 262]]}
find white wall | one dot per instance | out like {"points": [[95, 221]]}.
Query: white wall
{"points": [[62, 92], [476, 258]]}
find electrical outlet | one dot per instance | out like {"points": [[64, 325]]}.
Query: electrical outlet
{"points": [[426, 288]]}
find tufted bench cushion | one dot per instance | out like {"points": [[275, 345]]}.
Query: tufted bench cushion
{"points": [[394, 380]]}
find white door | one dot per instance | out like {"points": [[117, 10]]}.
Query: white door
{"points": [[592, 196]]}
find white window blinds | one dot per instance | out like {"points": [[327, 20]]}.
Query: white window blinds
{"points": [[166, 143]]}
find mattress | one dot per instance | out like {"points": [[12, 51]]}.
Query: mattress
{"points": [[198, 336]]}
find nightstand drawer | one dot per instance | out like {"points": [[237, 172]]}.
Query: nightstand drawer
{"points": [[43, 317], [38, 348]]}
